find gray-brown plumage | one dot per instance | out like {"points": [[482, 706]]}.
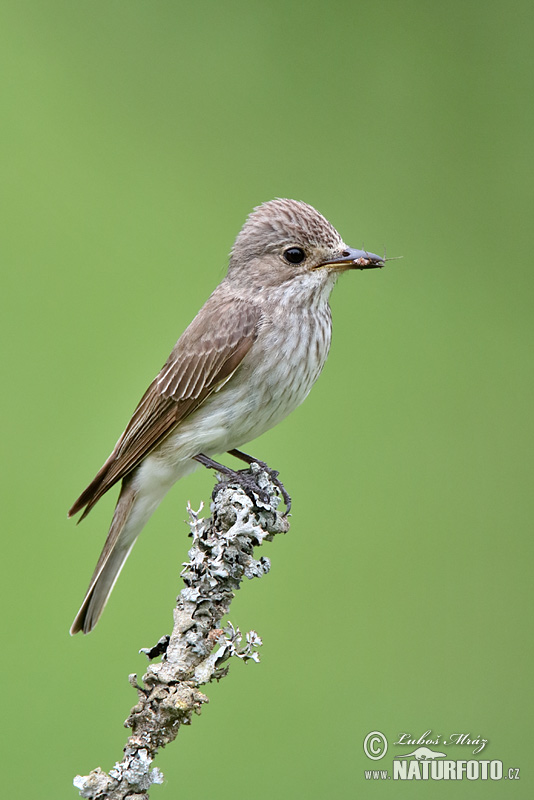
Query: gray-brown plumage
{"points": [[249, 357], [199, 363]]}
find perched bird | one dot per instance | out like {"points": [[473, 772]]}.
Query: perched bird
{"points": [[249, 357]]}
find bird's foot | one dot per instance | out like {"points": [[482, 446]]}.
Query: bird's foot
{"points": [[246, 479], [272, 473]]}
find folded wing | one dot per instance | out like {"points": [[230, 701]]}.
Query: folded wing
{"points": [[206, 355]]}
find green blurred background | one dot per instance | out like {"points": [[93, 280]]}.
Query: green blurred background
{"points": [[136, 137]]}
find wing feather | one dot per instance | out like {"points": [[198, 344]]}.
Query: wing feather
{"points": [[206, 355]]}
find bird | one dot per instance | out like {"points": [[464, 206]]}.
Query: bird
{"points": [[248, 358]]}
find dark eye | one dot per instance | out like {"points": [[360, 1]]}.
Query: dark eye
{"points": [[295, 255]]}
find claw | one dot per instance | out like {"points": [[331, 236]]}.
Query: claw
{"points": [[272, 473], [244, 478]]}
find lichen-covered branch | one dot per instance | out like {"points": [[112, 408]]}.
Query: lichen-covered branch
{"points": [[195, 653]]}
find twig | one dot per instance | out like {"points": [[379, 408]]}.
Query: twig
{"points": [[221, 555]]}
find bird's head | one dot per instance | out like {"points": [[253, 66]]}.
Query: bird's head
{"points": [[286, 241]]}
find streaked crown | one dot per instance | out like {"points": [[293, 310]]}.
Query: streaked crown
{"points": [[283, 222]]}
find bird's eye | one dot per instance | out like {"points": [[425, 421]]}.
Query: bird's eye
{"points": [[295, 255]]}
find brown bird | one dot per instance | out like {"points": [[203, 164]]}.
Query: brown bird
{"points": [[249, 357]]}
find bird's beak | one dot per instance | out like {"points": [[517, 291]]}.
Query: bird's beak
{"points": [[354, 259]]}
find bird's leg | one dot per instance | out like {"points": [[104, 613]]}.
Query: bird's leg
{"points": [[272, 473], [243, 478]]}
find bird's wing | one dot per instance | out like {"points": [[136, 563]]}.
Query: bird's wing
{"points": [[206, 355]]}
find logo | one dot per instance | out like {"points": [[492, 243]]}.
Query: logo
{"points": [[423, 762], [423, 754]]}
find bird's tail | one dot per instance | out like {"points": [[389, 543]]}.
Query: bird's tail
{"points": [[121, 539]]}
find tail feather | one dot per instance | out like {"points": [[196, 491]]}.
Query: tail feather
{"points": [[92, 494], [116, 550]]}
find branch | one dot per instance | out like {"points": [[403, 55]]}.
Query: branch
{"points": [[221, 555]]}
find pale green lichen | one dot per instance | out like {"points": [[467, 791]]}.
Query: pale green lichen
{"points": [[222, 555]]}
